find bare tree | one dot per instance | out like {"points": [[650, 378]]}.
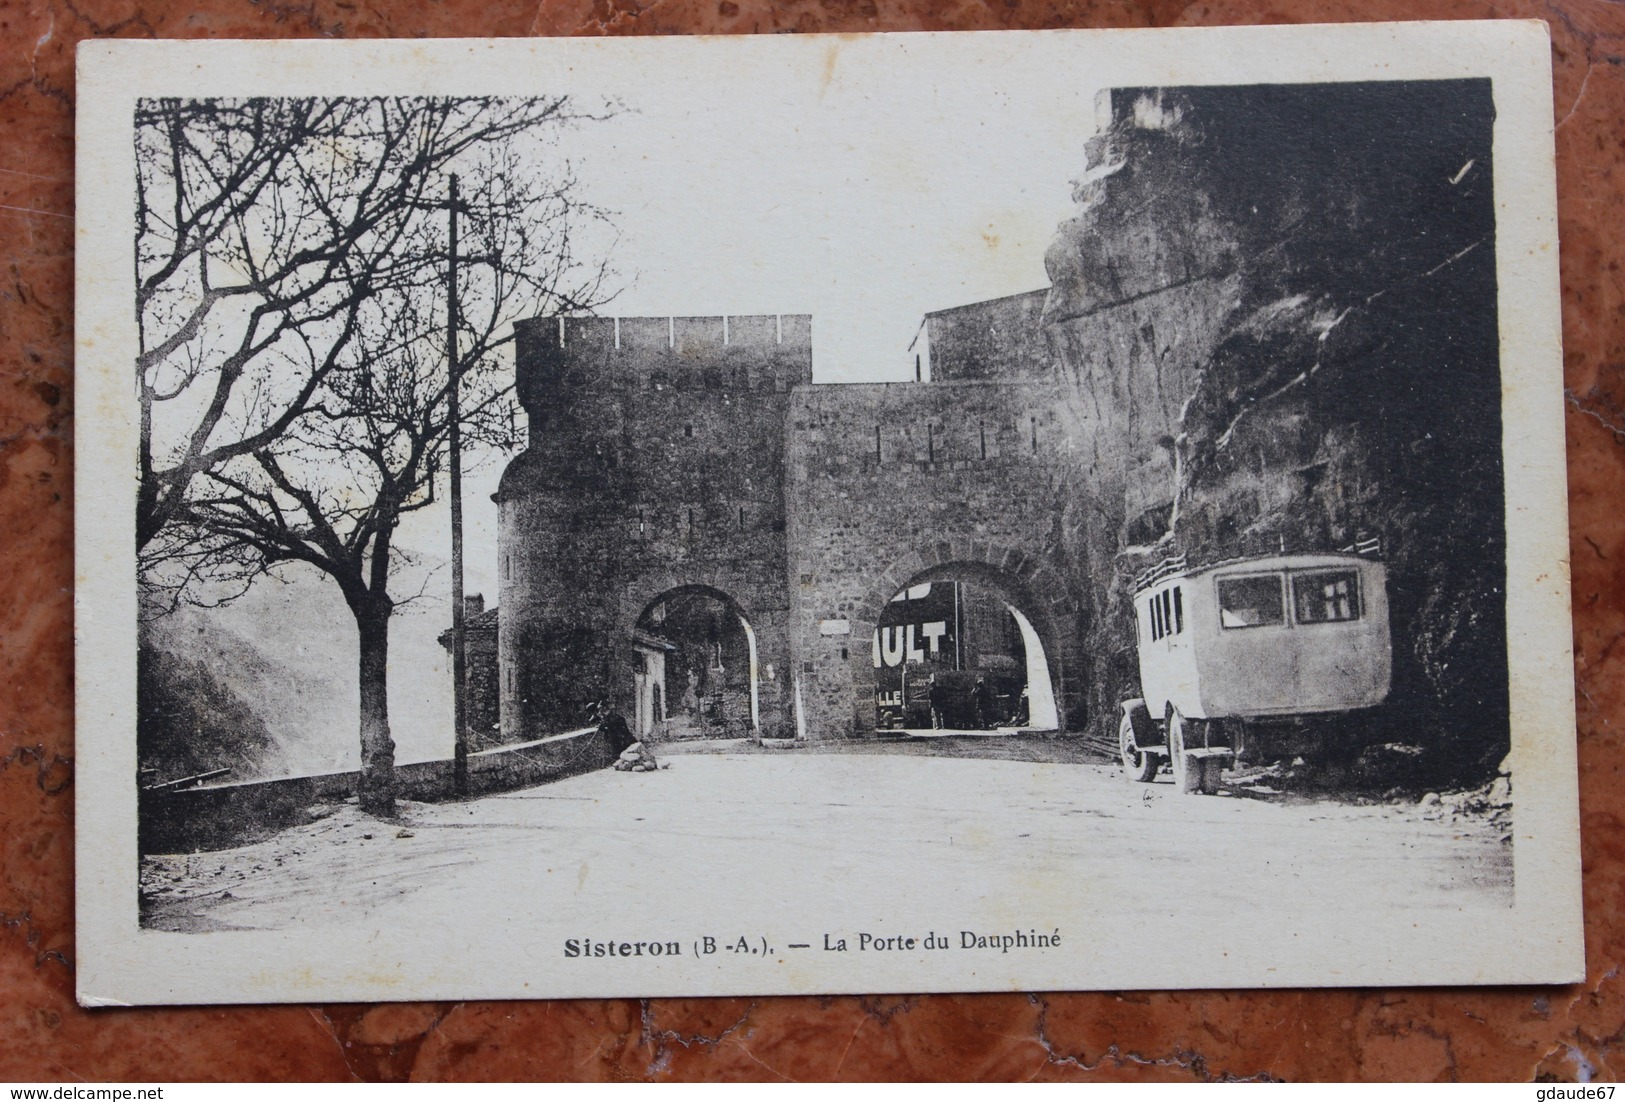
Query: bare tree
{"points": [[302, 382], [262, 227]]}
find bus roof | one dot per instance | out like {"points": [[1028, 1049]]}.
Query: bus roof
{"points": [[1176, 569]]}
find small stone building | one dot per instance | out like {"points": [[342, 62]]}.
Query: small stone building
{"points": [[480, 652]]}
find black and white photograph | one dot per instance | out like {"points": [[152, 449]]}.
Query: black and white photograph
{"points": [[911, 512]]}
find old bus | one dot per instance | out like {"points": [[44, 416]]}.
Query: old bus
{"points": [[1227, 650]]}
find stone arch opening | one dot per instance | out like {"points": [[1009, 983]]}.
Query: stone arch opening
{"points": [[696, 669], [958, 655], [1026, 651]]}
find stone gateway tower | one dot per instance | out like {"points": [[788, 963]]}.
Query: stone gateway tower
{"points": [[707, 540], [654, 483]]}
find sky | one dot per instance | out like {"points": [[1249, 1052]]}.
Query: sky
{"points": [[861, 207]]}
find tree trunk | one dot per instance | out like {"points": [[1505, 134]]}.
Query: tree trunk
{"points": [[376, 787]]}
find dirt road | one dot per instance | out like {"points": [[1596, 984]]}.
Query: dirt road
{"points": [[887, 824]]}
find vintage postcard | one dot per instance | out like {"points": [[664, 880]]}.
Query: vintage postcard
{"points": [[903, 513]]}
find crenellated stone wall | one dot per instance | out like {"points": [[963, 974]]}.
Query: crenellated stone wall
{"points": [[655, 463], [673, 454]]}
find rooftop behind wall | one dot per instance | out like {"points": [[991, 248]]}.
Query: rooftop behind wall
{"points": [[1000, 339], [756, 352]]}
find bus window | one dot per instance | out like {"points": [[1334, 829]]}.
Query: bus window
{"points": [[1326, 598], [1179, 612], [1251, 602]]}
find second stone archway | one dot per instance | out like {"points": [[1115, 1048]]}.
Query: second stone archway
{"points": [[954, 653], [1028, 584]]}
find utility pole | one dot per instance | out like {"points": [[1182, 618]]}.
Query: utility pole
{"points": [[459, 627]]}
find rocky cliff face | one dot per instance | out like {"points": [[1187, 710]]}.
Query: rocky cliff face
{"points": [[1276, 309]]}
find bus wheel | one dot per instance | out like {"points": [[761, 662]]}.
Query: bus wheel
{"points": [[1187, 774], [1139, 765]]}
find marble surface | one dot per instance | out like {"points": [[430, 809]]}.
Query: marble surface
{"points": [[1514, 1034]]}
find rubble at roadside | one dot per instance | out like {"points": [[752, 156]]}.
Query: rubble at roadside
{"points": [[1401, 775]]}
